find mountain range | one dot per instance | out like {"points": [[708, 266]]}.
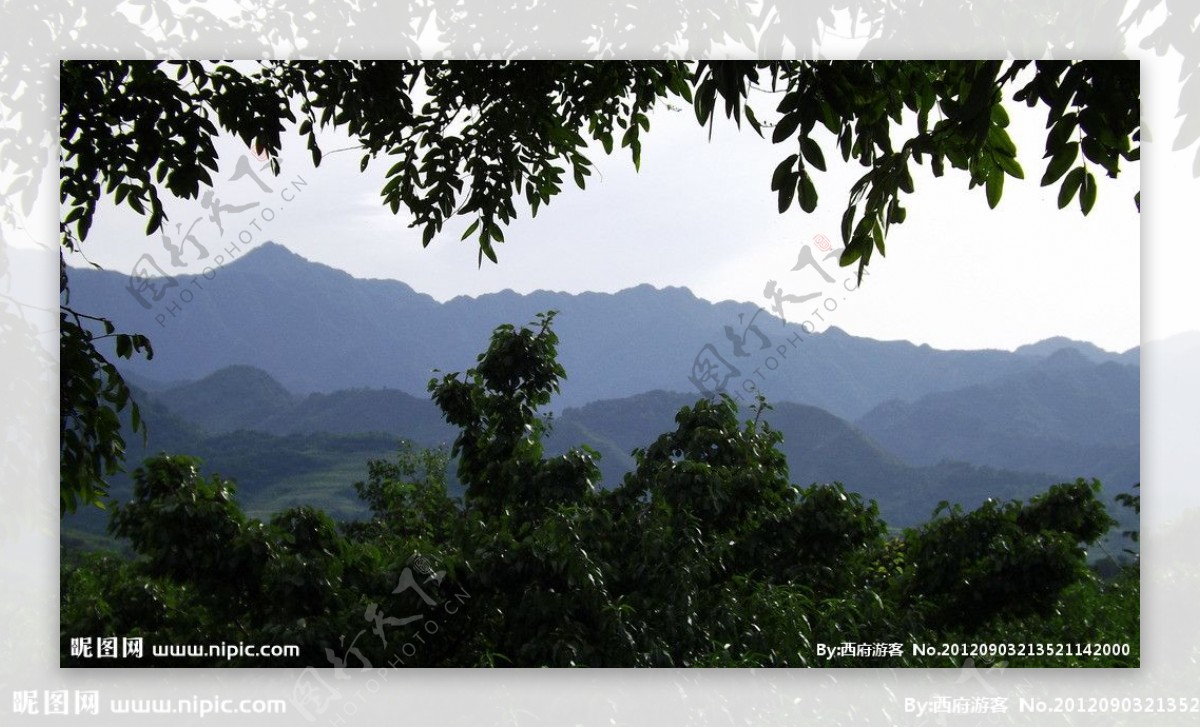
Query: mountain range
{"points": [[317, 329], [288, 375], [245, 425], [820, 446]]}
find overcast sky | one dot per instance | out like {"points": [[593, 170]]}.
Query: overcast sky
{"points": [[701, 214]]}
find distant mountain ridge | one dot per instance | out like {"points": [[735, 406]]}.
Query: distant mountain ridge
{"points": [[242, 397], [1063, 414], [1091, 352], [819, 446], [235, 397], [317, 329]]}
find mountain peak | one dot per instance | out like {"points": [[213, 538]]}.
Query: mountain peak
{"points": [[1067, 357], [1051, 346], [649, 289], [243, 376], [273, 254], [279, 261], [234, 394], [272, 247]]}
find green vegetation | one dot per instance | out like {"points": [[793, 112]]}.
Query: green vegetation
{"points": [[272, 472], [706, 555], [475, 140]]}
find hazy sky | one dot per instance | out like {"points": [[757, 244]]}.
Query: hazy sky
{"points": [[701, 214]]}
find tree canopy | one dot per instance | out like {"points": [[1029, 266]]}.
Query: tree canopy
{"points": [[706, 555], [481, 141]]}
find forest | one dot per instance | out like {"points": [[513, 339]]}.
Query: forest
{"points": [[704, 556]]}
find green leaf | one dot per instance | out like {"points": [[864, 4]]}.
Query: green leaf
{"points": [[868, 249], [1087, 193], [847, 221], [474, 226], [1101, 154], [486, 249], [1010, 166], [852, 252], [1061, 132], [706, 95], [1061, 162], [1069, 186], [141, 343], [630, 136], [1094, 150], [790, 102], [786, 193], [786, 127], [957, 158], [999, 116], [808, 194], [844, 144], [937, 164], [1002, 142], [994, 187], [783, 172], [155, 222], [828, 119], [757, 127], [812, 153]]}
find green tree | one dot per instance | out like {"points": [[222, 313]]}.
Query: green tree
{"points": [[476, 140], [204, 572], [499, 447], [92, 393], [407, 495], [705, 555], [1002, 560]]}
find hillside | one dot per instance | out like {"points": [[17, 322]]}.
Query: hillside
{"points": [[1065, 414], [236, 397], [819, 447], [307, 449]]}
